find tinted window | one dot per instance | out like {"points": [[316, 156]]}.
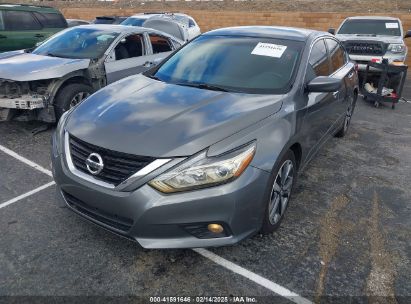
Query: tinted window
{"points": [[103, 20], [20, 21], [129, 47], [318, 61], [241, 64], [51, 20], [160, 44], [191, 22], [371, 27], [337, 54], [133, 21], [1, 22]]}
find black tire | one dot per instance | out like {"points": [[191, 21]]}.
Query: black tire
{"points": [[347, 120], [273, 222], [64, 98]]}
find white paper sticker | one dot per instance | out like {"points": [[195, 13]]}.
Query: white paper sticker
{"points": [[269, 49], [391, 25]]}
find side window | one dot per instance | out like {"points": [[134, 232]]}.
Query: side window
{"points": [[1, 21], [20, 21], [160, 44], [318, 64], [130, 47], [191, 22], [49, 20], [337, 54]]}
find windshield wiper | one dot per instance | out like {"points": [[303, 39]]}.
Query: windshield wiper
{"points": [[203, 86], [152, 77]]}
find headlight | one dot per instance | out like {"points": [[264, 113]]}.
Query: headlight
{"points": [[202, 171], [396, 48]]}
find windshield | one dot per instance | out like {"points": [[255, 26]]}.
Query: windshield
{"points": [[371, 27], [78, 42], [133, 21], [239, 64]]}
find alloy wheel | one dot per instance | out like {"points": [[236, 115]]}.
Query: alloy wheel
{"points": [[281, 191], [79, 97]]}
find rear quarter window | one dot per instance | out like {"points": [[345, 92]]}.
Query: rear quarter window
{"points": [[50, 20]]}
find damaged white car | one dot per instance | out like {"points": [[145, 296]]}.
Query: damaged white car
{"points": [[43, 83]]}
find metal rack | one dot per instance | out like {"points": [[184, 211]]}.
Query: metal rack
{"points": [[386, 72]]}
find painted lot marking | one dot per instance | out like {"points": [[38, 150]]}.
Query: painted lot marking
{"points": [[25, 160], [27, 194], [278, 289]]}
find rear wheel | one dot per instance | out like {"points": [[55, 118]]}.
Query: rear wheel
{"points": [[348, 116], [70, 96], [281, 185]]}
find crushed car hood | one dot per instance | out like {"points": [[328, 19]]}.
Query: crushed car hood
{"points": [[142, 116], [21, 66]]}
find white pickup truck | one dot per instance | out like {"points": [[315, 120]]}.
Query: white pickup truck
{"points": [[372, 38]]}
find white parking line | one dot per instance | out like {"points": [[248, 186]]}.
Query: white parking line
{"points": [[278, 289], [27, 194], [25, 160]]}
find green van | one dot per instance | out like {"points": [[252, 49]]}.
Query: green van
{"points": [[22, 26]]}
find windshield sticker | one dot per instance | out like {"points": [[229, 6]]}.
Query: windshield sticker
{"points": [[269, 49], [391, 25]]}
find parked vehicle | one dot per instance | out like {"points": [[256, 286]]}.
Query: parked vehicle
{"points": [[76, 22], [45, 82], [109, 20], [166, 22], [373, 38], [204, 149], [22, 26]]}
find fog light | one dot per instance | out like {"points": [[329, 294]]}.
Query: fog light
{"points": [[215, 228]]}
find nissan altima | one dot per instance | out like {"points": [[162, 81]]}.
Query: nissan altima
{"points": [[205, 148]]}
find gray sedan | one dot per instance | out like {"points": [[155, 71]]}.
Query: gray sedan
{"points": [[204, 149], [45, 82]]}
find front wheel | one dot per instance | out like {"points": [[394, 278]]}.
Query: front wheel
{"points": [[348, 115], [70, 96], [281, 185]]}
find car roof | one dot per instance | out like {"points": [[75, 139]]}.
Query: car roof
{"points": [[280, 32], [149, 15], [30, 8], [372, 18], [123, 29]]}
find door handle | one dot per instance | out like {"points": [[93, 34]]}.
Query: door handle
{"points": [[39, 36], [336, 94], [3, 37]]}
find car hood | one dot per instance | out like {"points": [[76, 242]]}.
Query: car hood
{"points": [[385, 39], [141, 116], [21, 66]]}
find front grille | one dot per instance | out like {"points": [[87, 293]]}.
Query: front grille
{"points": [[117, 166], [365, 48], [112, 220]]}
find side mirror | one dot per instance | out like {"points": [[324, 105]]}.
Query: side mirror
{"points": [[331, 31], [322, 84], [407, 34]]}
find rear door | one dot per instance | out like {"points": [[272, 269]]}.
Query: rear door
{"points": [[51, 24], [341, 69], [128, 57], [21, 30]]}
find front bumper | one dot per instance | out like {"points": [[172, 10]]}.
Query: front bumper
{"points": [[363, 60], [157, 220], [25, 102]]}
